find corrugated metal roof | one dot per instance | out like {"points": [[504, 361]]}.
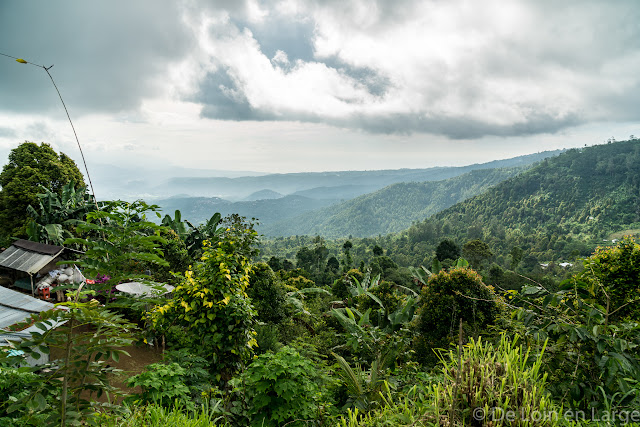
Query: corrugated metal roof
{"points": [[24, 260], [16, 307], [7, 336], [41, 248]]}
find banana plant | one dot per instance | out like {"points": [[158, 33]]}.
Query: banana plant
{"points": [[360, 331], [176, 224], [357, 289], [403, 315], [364, 386], [421, 275], [198, 234], [53, 219], [296, 298]]}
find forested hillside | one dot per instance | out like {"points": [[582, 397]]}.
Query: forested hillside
{"points": [[372, 212], [392, 209], [557, 210]]}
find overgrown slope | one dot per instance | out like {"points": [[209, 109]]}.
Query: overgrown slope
{"points": [[558, 209], [392, 209]]}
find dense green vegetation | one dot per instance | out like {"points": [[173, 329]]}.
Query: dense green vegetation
{"points": [[558, 210], [30, 168], [338, 333]]}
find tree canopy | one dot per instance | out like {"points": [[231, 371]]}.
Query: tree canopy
{"points": [[30, 167]]}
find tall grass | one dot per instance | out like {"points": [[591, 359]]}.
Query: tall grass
{"points": [[484, 385], [497, 386], [157, 416]]}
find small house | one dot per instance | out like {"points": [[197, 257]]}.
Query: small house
{"points": [[27, 261]]}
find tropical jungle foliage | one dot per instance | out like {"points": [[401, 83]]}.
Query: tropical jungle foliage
{"points": [[453, 322]]}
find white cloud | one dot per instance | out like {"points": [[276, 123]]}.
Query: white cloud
{"points": [[502, 67], [280, 58]]}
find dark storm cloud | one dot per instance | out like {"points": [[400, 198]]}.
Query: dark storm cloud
{"points": [[456, 68], [457, 128], [223, 99], [107, 55], [569, 63]]}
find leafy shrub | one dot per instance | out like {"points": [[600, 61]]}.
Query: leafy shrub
{"points": [[447, 298], [267, 294], [282, 387], [161, 384], [196, 376], [613, 276], [18, 385], [213, 305], [591, 322]]}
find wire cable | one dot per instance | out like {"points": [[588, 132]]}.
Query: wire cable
{"points": [[22, 61]]}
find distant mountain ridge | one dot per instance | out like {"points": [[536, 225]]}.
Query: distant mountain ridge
{"points": [[200, 209], [368, 181], [343, 209]]}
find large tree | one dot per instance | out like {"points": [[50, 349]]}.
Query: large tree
{"points": [[31, 166], [447, 249], [476, 251], [448, 298]]}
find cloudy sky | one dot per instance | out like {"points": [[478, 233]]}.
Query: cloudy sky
{"points": [[312, 85]]}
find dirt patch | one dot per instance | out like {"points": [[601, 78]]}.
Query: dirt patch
{"points": [[141, 356]]}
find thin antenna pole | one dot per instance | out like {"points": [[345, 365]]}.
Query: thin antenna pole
{"points": [[22, 61]]}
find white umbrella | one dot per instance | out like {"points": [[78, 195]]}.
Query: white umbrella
{"points": [[144, 289]]}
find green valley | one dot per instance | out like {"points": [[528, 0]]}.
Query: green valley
{"points": [[391, 209]]}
